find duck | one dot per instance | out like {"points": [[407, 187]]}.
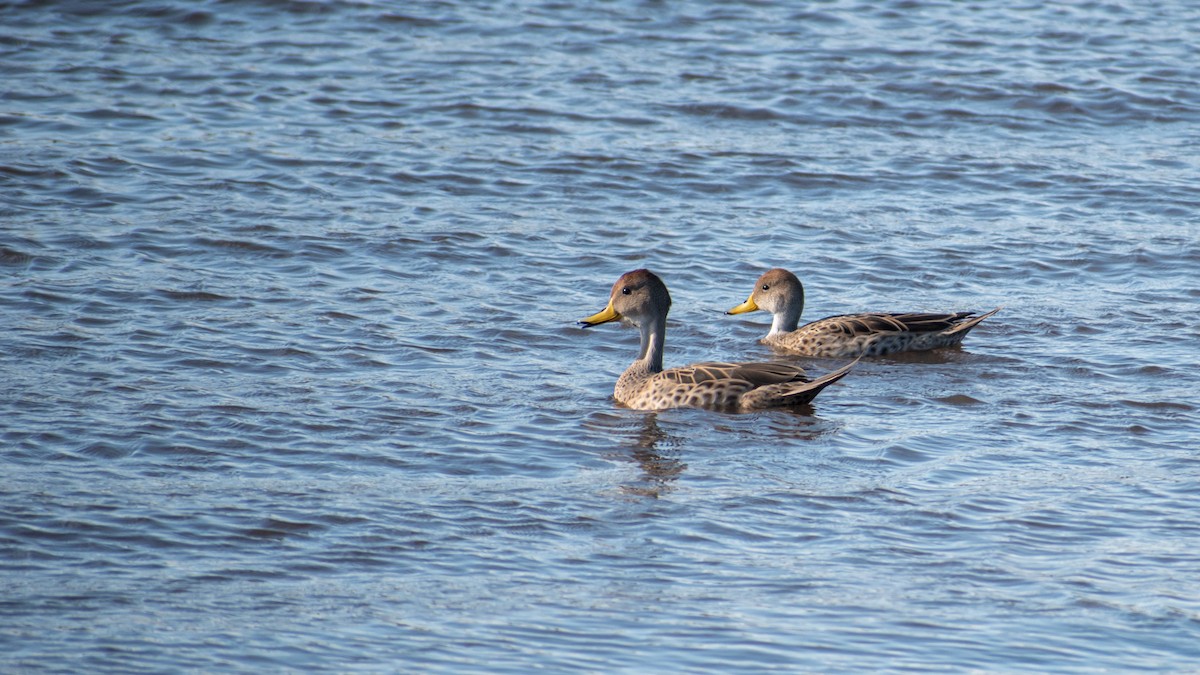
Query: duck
{"points": [[640, 298], [780, 292]]}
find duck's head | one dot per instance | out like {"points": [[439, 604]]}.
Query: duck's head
{"points": [[638, 297], [775, 291]]}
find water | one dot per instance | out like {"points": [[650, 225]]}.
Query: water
{"points": [[290, 378]]}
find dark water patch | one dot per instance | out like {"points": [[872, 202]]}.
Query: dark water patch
{"points": [[33, 172], [242, 246], [193, 296], [276, 528], [112, 114], [409, 20], [1160, 405], [104, 451], [729, 112], [9, 256], [959, 400]]}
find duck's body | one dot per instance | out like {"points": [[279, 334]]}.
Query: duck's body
{"points": [[850, 335], [640, 298]]}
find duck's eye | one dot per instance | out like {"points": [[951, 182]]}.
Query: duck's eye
{"points": [[766, 287], [625, 290]]}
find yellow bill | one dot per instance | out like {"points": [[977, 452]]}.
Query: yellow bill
{"points": [[748, 306], [603, 316]]}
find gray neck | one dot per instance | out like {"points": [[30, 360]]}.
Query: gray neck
{"points": [[788, 317], [654, 333]]}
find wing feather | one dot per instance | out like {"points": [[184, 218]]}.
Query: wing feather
{"points": [[853, 325], [756, 374]]}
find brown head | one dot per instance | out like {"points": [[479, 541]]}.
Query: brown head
{"points": [[638, 297], [779, 292]]}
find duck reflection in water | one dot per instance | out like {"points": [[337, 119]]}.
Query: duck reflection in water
{"points": [[661, 467], [659, 452]]}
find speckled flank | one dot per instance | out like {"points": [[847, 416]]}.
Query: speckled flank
{"points": [[723, 386], [817, 340]]}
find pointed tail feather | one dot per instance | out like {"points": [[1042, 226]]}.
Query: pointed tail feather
{"points": [[967, 325], [793, 393]]}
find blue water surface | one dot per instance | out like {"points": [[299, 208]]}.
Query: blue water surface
{"points": [[291, 381]]}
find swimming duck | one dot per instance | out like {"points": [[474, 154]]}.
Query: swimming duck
{"points": [[640, 298], [779, 292]]}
